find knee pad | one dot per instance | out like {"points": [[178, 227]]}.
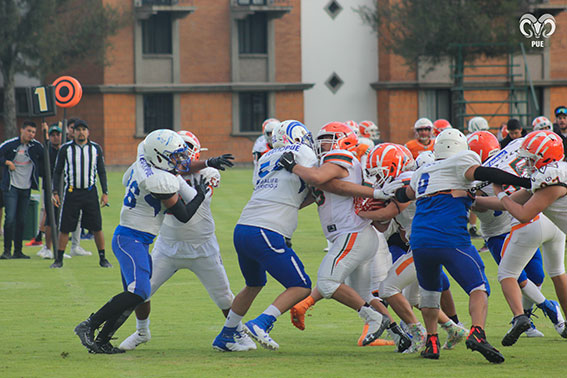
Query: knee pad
{"points": [[327, 287], [429, 299], [224, 301]]}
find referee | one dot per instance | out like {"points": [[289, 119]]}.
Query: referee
{"points": [[81, 160]]}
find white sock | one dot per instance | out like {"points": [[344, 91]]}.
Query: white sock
{"points": [[272, 310], [532, 292], [142, 324], [233, 319]]}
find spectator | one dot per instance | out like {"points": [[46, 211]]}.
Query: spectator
{"points": [[81, 159], [515, 131], [560, 125], [22, 158]]}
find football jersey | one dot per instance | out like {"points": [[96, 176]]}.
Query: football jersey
{"points": [[440, 219], [336, 212], [553, 174], [140, 210], [199, 229], [277, 193], [416, 147], [260, 145], [495, 223], [405, 218]]}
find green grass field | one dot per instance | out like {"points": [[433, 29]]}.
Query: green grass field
{"points": [[39, 307]]}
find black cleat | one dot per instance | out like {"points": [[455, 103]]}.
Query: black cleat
{"points": [[520, 324], [402, 340], [477, 342], [103, 262], [432, 346], [86, 331], [107, 348], [20, 255], [57, 264], [5, 256]]}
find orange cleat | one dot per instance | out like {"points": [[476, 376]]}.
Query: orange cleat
{"points": [[33, 242], [298, 312], [377, 342]]}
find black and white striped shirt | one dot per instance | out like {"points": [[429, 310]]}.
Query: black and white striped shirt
{"points": [[80, 164]]}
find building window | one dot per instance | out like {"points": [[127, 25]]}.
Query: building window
{"points": [[22, 102], [253, 34], [156, 34], [158, 112], [252, 2], [438, 104], [253, 110], [334, 82], [333, 8]]}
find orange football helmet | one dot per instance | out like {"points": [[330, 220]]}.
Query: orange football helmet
{"points": [[368, 129], [339, 134], [409, 161], [440, 125], [541, 147], [354, 126], [484, 143], [385, 162], [192, 143]]}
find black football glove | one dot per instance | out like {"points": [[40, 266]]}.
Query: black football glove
{"points": [[287, 161], [220, 161], [200, 185]]}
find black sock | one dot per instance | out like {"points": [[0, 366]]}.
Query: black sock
{"points": [[60, 253], [454, 318], [115, 307], [39, 236], [101, 254], [392, 325]]}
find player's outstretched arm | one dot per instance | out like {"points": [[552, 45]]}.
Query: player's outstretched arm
{"points": [[345, 188], [184, 212], [495, 175], [218, 162], [540, 201]]}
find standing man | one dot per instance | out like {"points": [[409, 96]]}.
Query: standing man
{"points": [[22, 159], [82, 159], [424, 142], [560, 125]]}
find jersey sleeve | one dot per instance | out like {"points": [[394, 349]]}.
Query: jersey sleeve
{"points": [[414, 180], [465, 160], [551, 174], [162, 182], [341, 158], [306, 157]]}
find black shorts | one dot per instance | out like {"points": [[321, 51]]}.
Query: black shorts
{"points": [[46, 202], [73, 203]]}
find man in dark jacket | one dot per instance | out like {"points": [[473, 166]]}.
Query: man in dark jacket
{"points": [[560, 125], [22, 161]]}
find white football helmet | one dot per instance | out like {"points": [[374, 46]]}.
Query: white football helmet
{"points": [[291, 132], [192, 143], [449, 142], [165, 149], [268, 127], [423, 123], [542, 123], [477, 124], [212, 176], [423, 158]]}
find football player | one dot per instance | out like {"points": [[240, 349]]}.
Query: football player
{"points": [[440, 125], [193, 246], [424, 142], [353, 240], [543, 151], [440, 238], [151, 188], [506, 236], [263, 240]]}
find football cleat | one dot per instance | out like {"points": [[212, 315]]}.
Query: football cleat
{"points": [[45, 253], [86, 331], [455, 334], [104, 263], [477, 342], [418, 336], [298, 311], [520, 324], [243, 339], [79, 251], [377, 342], [377, 323], [402, 340], [533, 331], [431, 350], [33, 243], [135, 339], [552, 310], [259, 330], [107, 348], [225, 341]]}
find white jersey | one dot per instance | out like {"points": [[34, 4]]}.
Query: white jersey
{"points": [[336, 212], [277, 193], [199, 229], [495, 223], [446, 174], [140, 210], [260, 145], [405, 218], [553, 174]]}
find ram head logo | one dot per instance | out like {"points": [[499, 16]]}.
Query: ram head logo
{"points": [[532, 27]]}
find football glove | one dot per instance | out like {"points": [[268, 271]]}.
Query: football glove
{"points": [[287, 161], [220, 161]]}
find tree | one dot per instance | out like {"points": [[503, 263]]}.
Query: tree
{"points": [[42, 37]]}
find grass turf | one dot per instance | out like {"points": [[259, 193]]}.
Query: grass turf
{"points": [[40, 307]]}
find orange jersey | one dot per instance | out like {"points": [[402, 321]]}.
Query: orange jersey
{"points": [[416, 147]]}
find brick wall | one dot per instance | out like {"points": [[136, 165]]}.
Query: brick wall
{"points": [[119, 128], [288, 45]]}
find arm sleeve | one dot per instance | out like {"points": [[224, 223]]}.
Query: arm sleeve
{"points": [[101, 169], [59, 163], [401, 195], [501, 177], [186, 192], [185, 212]]}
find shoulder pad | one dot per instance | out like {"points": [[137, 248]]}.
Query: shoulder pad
{"points": [[343, 158], [162, 182], [551, 174]]}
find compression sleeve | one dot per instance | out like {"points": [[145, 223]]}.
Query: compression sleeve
{"points": [[185, 212], [501, 177], [401, 195]]}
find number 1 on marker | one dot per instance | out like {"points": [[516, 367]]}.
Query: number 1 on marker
{"points": [[41, 98]]}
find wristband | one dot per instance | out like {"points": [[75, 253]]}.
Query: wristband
{"points": [[501, 195]]}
